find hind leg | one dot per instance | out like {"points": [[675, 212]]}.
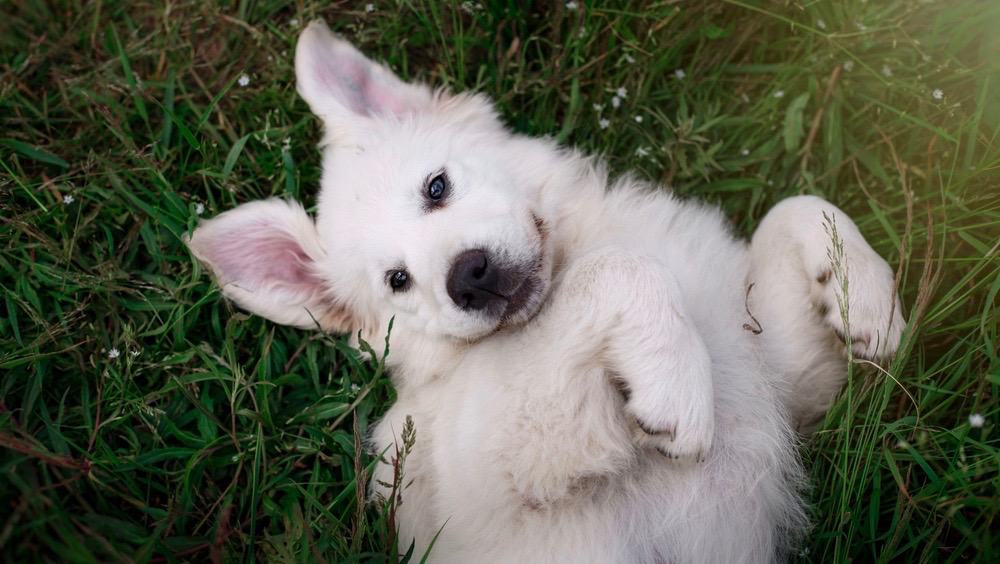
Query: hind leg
{"points": [[798, 278]]}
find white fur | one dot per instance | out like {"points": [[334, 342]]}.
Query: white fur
{"points": [[531, 434]]}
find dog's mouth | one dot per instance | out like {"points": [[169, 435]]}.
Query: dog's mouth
{"points": [[525, 301]]}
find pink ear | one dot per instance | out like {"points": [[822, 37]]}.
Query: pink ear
{"points": [[265, 256], [258, 254], [338, 81]]}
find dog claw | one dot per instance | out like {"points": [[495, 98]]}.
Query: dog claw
{"points": [[670, 431]]}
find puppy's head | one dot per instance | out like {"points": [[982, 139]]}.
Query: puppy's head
{"points": [[428, 212]]}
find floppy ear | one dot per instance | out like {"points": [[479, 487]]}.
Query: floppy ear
{"points": [[338, 82], [266, 257]]}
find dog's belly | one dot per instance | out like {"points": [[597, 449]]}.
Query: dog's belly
{"points": [[506, 415]]}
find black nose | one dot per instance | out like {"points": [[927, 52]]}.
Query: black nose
{"points": [[474, 283]]}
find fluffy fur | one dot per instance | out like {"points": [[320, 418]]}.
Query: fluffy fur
{"points": [[627, 408]]}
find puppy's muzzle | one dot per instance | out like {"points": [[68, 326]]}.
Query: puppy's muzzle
{"points": [[477, 283]]}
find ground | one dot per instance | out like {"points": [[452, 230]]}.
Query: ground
{"points": [[143, 418]]}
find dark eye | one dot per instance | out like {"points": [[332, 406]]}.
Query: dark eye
{"points": [[398, 280], [437, 188]]}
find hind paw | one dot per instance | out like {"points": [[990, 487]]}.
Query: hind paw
{"points": [[874, 323]]}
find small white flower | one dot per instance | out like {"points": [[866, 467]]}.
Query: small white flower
{"points": [[68, 199], [134, 352], [621, 92], [113, 354], [598, 108], [821, 24], [571, 6], [901, 444], [355, 388], [938, 94], [616, 101], [886, 70], [926, 58], [680, 74], [603, 123], [629, 58], [638, 119], [848, 66], [744, 152], [199, 208], [976, 420], [369, 8], [779, 94], [642, 152], [294, 22], [583, 32], [243, 80]]}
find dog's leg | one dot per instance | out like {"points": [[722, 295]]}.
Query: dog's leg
{"points": [[800, 278], [652, 349], [614, 324]]}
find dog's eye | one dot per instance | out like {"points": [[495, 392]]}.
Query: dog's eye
{"points": [[437, 188], [399, 280]]}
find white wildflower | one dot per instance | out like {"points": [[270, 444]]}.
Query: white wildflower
{"points": [[779, 94], [355, 388], [744, 152], [926, 58], [199, 208], [598, 108], [369, 8], [976, 420], [113, 353], [848, 66], [938, 94], [680, 74], [616, 101], [294, 22], [68, 199], [571, 6], [821, 24], [622, 92], [886, 70], [642, 152], [603, 123], [583, 32], [629, 59], [135, 352], [243, 80], [638, 119]]}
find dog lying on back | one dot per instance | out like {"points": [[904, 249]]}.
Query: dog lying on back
{"points": [[574, 351]]}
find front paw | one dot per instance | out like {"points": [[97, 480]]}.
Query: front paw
{"points": [[677, 421], [687, 439]]}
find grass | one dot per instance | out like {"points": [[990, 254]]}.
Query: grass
{"points": [[215, 435]]}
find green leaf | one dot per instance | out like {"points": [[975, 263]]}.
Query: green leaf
{"points": [[34, 153], [793, 122]]}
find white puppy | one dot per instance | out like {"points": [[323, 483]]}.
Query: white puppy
{"points": [[591, 377]]}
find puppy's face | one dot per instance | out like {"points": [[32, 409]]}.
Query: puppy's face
{"points": [[427, 213]]}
